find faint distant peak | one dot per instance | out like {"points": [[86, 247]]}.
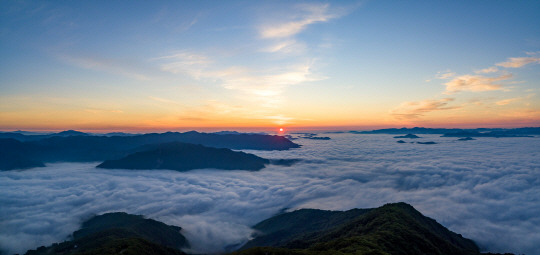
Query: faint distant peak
{"points": [[70, 133]]}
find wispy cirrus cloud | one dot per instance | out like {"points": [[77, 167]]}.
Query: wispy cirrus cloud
{"points": [[507, 101], [271, 83], [265, 83], [185, 62], [281, 32], [519, 62], [475, 83], [511, 100], [265, 86], [288, 46], [492, 69], [108, 65], [416, 109], [309, 14], [442, 75]]}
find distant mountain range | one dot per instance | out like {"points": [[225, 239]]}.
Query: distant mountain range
{"points": [[229, 140], [25, 151], [391, 229], [455, 132]]}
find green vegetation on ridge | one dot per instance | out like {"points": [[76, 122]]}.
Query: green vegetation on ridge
{"points": [[120, 233], [391, 229]]}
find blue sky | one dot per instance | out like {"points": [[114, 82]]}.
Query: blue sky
{"points": [[122, 65]]}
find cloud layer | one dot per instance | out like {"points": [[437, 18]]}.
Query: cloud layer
{"points": [[487, 190]]}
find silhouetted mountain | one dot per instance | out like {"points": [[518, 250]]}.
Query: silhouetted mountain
{"points": [[401, 141], [120, 233], [466, 139], [238, 133], [86, 148], [391, 229], [415, 130], [18, 136], [312, 136], [317, 137], [503, 133], [185, 156], [29, 132], [411, 136], [284, 162], [117, 134], [282, 229], [15, 155], [69, 133], [426, 142], [487, 132]]}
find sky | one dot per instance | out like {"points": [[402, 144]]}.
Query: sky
{"points": [[175, 65]]}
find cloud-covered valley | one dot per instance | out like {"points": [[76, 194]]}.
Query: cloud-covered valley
{"points": [[487, 189]]}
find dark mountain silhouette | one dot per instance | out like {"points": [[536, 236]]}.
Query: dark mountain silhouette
{"points": [[87, 148], [282, 229], [466, 139], [401, 141], [284, 162], [312, 136], [15, 155], [502, 133], [488, 132], [426, 142], [391, 229], [117, 134], [232, 141], [415, 130], [120, 233], [185, 156], [316, 137], [411, 136], [69, 133]]}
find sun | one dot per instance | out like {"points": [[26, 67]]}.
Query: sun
{"points": [[280, 129]]}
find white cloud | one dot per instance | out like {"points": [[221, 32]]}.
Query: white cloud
{"points": [[485, 189], [445, 75], [289, 46], [311, 13], [185, 62], [114, 66], [163, 100], [475, 83], [519, 62], [507, 101], [492, 69], [263, 83]]}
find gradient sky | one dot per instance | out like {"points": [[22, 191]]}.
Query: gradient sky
{"points": [[155, 65]]}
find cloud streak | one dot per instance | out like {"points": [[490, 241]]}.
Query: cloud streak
{"points": [[311, 13], [107, 65], [267, 82], [414, 110], [475, 83], [519, 62]]}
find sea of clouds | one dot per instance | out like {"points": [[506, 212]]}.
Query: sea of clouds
{"points": [[487, 190]]}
